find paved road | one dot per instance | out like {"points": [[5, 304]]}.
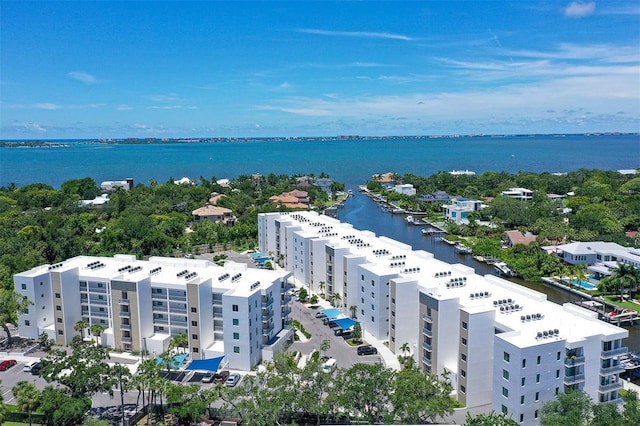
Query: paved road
{"points": [[340, 350]]}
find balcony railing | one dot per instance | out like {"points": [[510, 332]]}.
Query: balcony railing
{"points": [[426, 346], [427, 318], [286, 310], [266, 329], [125, 314], [427, 332], [125, 326], [161, 321], [613, 352], [570, 380], [267, 312], [609, 387], [123, 301], [426, 361], [614, 369], [267, 301], [126, 339], [569, 362]]}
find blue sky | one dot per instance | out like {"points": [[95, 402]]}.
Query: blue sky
{"points": [[113, 69]]}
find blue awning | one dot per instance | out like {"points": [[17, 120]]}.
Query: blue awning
{"points": [[176, 362], [256, 255], [210, 364], [331, 313], [345, 323]]}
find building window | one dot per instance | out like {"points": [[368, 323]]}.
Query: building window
{"points": [[194, 323], [373, 308], [60, 332], [462, 389], [535, 414], [57, 295], [236, 321], [194, 310], [463, 357], [60, 320], [393, 300], [373, 283], [464, 341], [234, 308], [521, 400], [465, 325], [27, 323], [236, 349], [373, 319], [505, 392], [557, 390], [195, 350], [521, 418], [537, 396], [505, 374], [522, 381], [58, 308], [362, 277], [506, 356], [504, 409], [236, 336], [557, 374], [558, 356], [24, 286], [524, 363], [463, 373], [538, 360], [538, 378]]}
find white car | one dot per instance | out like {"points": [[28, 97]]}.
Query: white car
{"points": [[329, 365], [232, 380], [28, 366]]}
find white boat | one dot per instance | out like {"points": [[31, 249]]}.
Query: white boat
{"points": [[503, 269], [462, 249], [409, 219]]}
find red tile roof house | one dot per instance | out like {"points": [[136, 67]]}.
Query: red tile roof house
{"points": [[214, 214], [512, 238], [292, 200]]}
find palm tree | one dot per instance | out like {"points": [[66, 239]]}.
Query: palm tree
{"points": [[354, 311], [180, 341], [97, 330], [27, 397], [336, 299], [321, 286], [405, 348], [627, 276], [80, 326]]}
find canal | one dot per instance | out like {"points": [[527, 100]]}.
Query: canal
{"points": [[365, 214]]}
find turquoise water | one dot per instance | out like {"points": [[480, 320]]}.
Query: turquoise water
{"points": [[583, 284], [350, 162]]}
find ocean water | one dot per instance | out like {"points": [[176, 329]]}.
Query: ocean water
{"points": [[350, 162]]}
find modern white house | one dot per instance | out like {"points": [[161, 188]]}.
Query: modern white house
{"points": [[521, 194], [110, 185], [500, 343], [233, 311], [405, 188], [459, 209]]}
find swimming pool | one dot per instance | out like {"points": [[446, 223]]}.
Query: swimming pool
{"points": [[584, 284]]}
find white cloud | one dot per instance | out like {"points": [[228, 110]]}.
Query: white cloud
{"points": [[47, 106], [356, 34], [83, 77], [124, 107], [578, 9], [170, 97]]}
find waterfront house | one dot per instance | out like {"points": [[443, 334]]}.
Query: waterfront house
{"points": [[386, 179], [295, 199], [110, 185], [458, 211], [324, 184], [406, 189], [434, 197]]}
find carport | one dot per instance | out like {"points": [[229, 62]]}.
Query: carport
{"points": [[210, 364], [345, 323]]}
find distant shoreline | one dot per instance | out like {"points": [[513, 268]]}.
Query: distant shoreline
{"points": [[57, 143]]}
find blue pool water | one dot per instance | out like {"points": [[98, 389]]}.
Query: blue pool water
{"points": [[583, 284]]}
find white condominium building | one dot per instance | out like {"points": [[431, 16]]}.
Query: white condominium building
{"points": [[500, 343], [233, 311]]}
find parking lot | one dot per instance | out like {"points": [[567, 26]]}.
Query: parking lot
{"points": [[339, 349]]}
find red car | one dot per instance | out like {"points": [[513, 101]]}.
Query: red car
{"points": [[7, 363], [221, 377]]}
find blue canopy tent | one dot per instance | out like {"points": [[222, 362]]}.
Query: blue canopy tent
{"points": [[211, 364], [331, 313], [345, 323], [176, 362], [254, 256]]}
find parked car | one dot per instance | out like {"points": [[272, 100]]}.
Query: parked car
{"points": [[232, 380], [7, 363], [329, 365], [321, 315], [208, 378], [367, 350], [28, 367], [35, 370], [221, 376]]}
